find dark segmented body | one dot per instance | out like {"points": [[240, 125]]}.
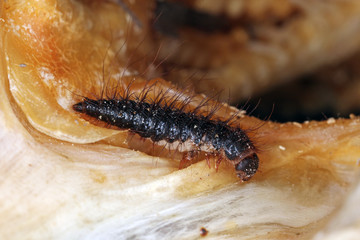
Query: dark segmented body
{"points": [[170, 124]]}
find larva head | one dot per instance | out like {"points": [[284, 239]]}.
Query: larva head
{"points": [[247, 167]]}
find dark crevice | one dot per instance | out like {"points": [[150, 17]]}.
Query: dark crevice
{"points": [[171, 16], [301, 100]]}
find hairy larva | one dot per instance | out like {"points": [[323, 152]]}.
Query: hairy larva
{"points": [[162, 119]]}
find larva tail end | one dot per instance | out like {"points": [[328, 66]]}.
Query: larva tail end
{"points": [[247, 167]]}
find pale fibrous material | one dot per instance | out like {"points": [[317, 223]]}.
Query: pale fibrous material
{"points": [[63, 177]]}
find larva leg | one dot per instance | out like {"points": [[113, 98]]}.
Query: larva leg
{"points": [[218, 161], [207, 157], [187, 159]]}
